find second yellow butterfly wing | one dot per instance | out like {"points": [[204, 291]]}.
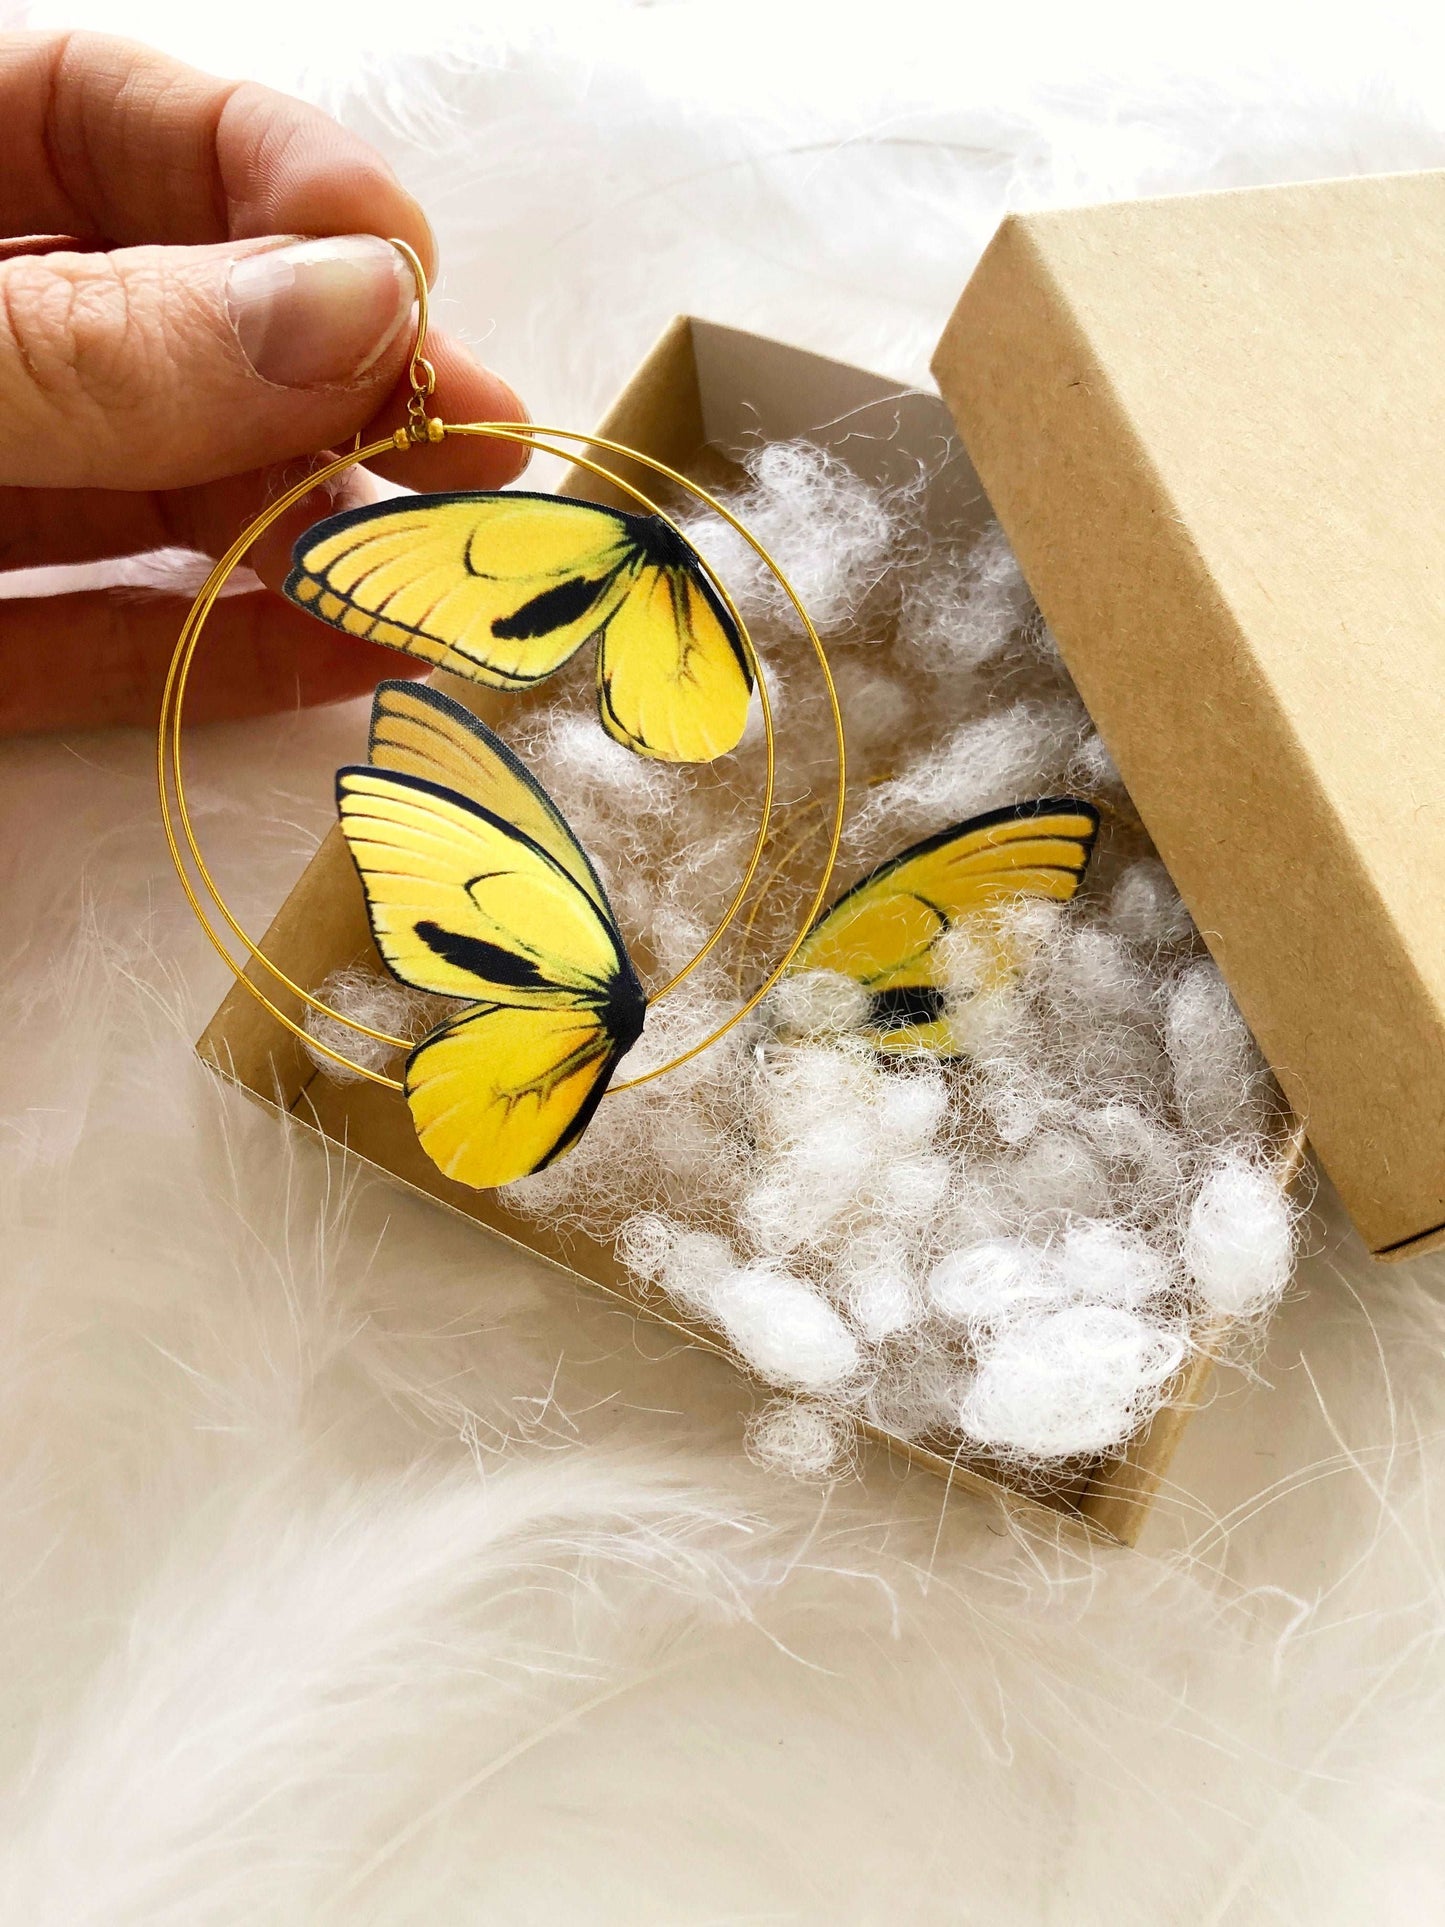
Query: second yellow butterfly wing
{"points": [[673, 681], [417, 731], [882, 932], [499, 1093], [502, 587], [465, 905]]}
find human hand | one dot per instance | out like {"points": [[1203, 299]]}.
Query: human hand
{"points": [[170, 354]]}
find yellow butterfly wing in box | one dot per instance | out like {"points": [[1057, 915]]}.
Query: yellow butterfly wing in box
{"points": [[418, 731], [464, 902], [504, 588], [501, 1093], [884, 930], [672, 681]]}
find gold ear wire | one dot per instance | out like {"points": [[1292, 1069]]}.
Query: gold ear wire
{"points": [[421, 372]]}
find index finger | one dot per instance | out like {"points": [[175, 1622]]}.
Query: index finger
{"points": [[109, 141]]}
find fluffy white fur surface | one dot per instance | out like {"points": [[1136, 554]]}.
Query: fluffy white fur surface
{"points": [[355, 1570]]}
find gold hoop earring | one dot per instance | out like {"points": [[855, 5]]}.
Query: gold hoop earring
{"points": [[423, 429]]}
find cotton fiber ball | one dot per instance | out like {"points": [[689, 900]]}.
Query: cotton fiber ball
{"points": [[986, 1020], [909, 1108], [1110, 1265], [830, 530], [1092, 767], [969, 957], [916, 1396], [1239, 1243], [371, 999], [875, 1284], [1212, 1054], [881, 1304], [979, 1204], [646, 1242], [835, 1152], [987, 762], [909, 1190], [771, 1216], [1145, 1153], [677, 934], [1059, 1171], [696, 1267], [812, 1002], [804, 1083], [1128, 1133], [803, 1440], [589, 763], [992, 1281], [1145, 908], [875, 707], [960, 612], [815, 1121], [1016, 1097], [1029, 928], [785, 1330], [1095, 969], [1069, 1381], [687, 1147]]}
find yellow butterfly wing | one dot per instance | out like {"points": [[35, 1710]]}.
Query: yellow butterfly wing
{"points": [[499, 1093], [502, 588], [882, 932], [672, 679], [465, 905], [417, 731]]}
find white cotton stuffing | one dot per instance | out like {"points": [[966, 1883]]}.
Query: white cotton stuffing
{"points": [[908, 1110], [1217, 1070], [697, 1270], [1008, 1252], [875, 1281], [998, 758], [990, 1283], [831, 534], [1109, 1264], [800, 1438], [967, 615], [381, 1003], [1058, 1172], [1144, 906], [1238, 1242], [1061, 1383], [817, 1003], [1091, 767], [784, 1329]]}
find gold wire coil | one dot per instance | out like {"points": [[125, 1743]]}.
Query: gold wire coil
{"points": [[170, 773]]}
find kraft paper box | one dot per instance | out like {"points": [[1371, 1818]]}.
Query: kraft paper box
{"points": [[1213, 428], [704, 394]]}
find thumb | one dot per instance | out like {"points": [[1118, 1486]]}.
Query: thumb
{"points": [[161, 367]]}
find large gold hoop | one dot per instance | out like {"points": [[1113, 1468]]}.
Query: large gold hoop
{"points": [[421, 429]]}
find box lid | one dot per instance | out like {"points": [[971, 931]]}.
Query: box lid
{"points": [[1213, 427]]}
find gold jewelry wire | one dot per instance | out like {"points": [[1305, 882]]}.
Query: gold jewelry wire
{"points": [[421, 428]]}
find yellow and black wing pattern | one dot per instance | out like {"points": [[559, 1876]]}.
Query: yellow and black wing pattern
{"points": [[503, 588], [884, 931], [476, 889]]}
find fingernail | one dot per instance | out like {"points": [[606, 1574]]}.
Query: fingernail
{"points": [[320, 313]]}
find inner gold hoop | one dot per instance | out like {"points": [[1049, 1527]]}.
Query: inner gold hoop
{"points": [[170, 772]]}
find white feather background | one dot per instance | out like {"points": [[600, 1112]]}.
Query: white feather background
{"points": [[355, 1570]]}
